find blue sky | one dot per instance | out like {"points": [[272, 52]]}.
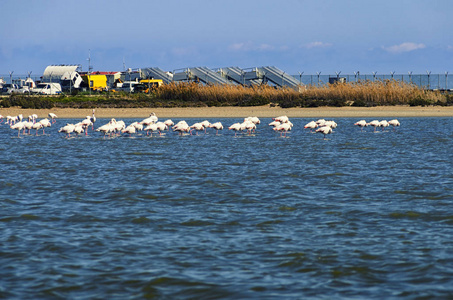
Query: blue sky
{"points": [[294, 35]]}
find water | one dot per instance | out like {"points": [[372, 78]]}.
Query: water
{"points": [[358, 215]]}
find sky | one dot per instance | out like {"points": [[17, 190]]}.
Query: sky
{"points": [[306, 36]]}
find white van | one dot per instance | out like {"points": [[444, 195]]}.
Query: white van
{"points": [[47, 89]]}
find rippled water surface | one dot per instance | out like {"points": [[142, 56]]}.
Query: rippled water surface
{"points": [[356, 215]]}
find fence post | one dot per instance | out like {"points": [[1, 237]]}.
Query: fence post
{"points": [[446, 80], [429, 73]]}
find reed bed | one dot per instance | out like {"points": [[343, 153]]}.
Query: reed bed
{"points": [[362, 93]]}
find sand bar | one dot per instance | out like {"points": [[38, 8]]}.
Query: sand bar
{"points": [[239, 112]]}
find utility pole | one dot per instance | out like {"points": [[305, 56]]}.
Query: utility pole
{"points": [[89, 70]]}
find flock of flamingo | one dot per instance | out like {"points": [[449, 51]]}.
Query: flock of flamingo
{"points": [[151, 125]]}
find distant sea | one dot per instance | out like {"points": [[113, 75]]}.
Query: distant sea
{"points": [[356, 215]]}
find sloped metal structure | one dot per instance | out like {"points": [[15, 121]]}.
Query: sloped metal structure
{"points": [[156, 73], [274, 75], [202, 74]]}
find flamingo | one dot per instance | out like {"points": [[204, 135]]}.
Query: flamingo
{"points": [[45, 123], [383, 124], [161, 126], [53, 116], [324, 130], [254, 120], [118, 125], [236, 127], [11, 120], [32, 118], [138, 126], [281, 119], [361, 124], [150, 127], [320, 122], [78, 129], [18, 126], [93, 119], [312, 125], [284, 127], [28, 125], [87, 123], [106, 129], [274, 123], [217, 126], [250, 126], [38, 126], [197, 127], [68, 129], [150, 120], [331, 124], [394, 123], [169, 123], [181, 127], [374, 123], [180, 124], [205, 124], [1, 119], [129, 130]]}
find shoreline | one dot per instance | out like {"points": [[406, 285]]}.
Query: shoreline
{"points": [[240, 112]]}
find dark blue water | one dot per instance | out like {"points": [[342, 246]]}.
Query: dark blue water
{"points": [[359, 215]]}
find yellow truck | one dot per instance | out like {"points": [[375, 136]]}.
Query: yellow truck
{"points": [[149, 84], [96, 82]]}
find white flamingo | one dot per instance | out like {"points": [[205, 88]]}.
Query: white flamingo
{"points": [[281, 119], [169, 123], [331, 124], [235, 127], [68, 129], [87, 123], [93, 119], [181, 127], [106, 129], [197, 127], [249, 126], [53, 116], [361, 124], [161, 126], [394, 123], [374, 123], [274, 123], [37, 126], [312, 125], [18, 126], [129, 130], [217, 126], [45, 123], [324, 130], [283, 128], [79, 128], [384, 124], [28, 125], [254, 120]]}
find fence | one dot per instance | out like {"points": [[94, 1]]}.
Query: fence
{"points": [[431, 81]]}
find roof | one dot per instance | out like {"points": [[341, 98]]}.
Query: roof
{"points": [[58, 71], [99, 73]]}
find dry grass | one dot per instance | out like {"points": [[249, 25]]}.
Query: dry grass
{"points": [[363, 93], [388, 92]]}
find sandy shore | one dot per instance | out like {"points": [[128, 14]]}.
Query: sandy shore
{"points": [[239, 112]]}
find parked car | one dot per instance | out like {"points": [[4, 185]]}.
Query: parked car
{"points": [[9, 88], [47, 88]]}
